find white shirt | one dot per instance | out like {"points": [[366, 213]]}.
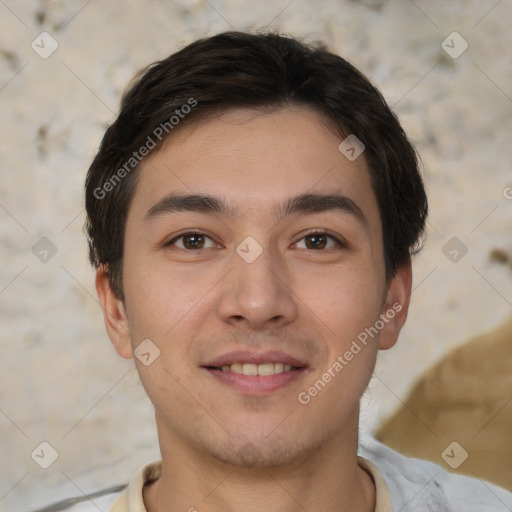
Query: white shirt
{"points": [[402, 485]]}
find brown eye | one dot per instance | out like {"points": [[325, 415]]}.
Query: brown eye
{"points": [[316, 241], [191, 241], [195, 241], [319, 241]]}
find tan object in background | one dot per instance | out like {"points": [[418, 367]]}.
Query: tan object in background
{"points": [[466, 398]]}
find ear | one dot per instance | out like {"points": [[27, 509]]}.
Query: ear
{"points": [[114, 315], [396, 306]]}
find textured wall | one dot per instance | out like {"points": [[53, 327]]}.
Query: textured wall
{"points": [[60, 379]]}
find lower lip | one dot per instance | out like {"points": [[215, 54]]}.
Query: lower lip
{"points": [[257, 384]]}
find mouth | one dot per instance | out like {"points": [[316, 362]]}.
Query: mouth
{"points": [[256, 374], [269, 368]]}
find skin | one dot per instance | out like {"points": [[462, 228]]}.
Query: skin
{"points": [[223, 449]]}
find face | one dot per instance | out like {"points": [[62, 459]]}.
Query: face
{"points": [[257, 295]]}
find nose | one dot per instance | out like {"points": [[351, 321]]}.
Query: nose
{"points": [[258, 295]]}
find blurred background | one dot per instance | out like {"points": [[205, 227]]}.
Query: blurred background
{"points": [[444, 67]]}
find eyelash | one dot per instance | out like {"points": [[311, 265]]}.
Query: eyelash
{"points": [[339, 242]]}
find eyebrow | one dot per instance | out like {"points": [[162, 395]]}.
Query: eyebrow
{"points": [[301, 204]]}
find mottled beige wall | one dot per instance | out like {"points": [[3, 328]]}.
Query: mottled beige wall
{"points": [[60, 379]]}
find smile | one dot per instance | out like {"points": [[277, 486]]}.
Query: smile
{"points": [[256, 379], [257, 369], [252, 373]]}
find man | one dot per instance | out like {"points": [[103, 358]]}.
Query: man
{"points": [[252, 213]]}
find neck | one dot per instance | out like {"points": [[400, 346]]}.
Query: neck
{"points": [[328, 479]]}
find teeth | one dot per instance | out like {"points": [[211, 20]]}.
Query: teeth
{"points": [[236, 367], [257, 369], [266, 369], [250, 369]]}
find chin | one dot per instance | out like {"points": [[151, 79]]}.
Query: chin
{"points": [[264, 450]]}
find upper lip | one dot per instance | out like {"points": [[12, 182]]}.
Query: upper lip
{"points": [[246, 356]]}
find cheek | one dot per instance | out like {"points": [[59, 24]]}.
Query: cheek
{"points": [[348, 308], [347, 300], [160, 296]]}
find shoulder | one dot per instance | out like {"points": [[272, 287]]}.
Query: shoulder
{"points": [[119, 499], [417, 485]]}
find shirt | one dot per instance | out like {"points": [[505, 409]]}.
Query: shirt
{"points": [[131, 499], [402, 484]]}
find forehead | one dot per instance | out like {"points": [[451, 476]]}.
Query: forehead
{"points": [[255, 160]]}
